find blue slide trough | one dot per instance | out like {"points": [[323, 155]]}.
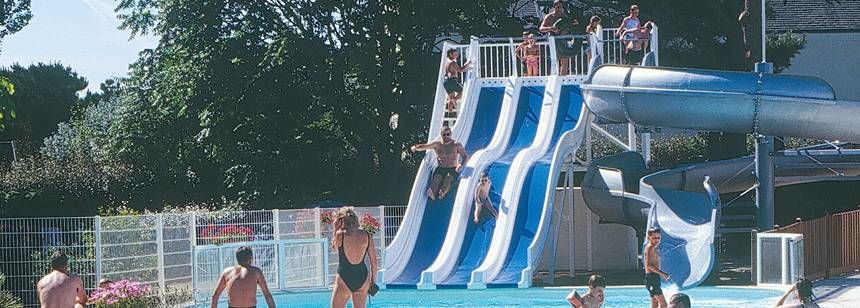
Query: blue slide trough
{"points": [[438, 212], [477, 237], [532, 196]]}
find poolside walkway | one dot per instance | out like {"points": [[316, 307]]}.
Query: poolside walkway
{"points": [[839, 292]]}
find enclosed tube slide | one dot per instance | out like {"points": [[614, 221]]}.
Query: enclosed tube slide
{"points": [[684, 202]]}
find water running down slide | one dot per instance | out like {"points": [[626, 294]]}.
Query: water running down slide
{"points": [[684, 202], [437, 213], [466, 243]]}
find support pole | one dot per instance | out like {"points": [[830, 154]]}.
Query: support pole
{"points": [[764, 171]]}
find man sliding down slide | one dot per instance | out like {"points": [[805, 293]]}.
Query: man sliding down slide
{"points": [[451, 157]]}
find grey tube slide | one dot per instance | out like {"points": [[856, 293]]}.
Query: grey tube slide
{"points": [[684, 202], [722, 101]]}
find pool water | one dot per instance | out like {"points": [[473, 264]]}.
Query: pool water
{"points": [[535, 297]]}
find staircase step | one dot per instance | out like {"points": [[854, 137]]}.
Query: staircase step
{"points": [[734, 230], [734, 217]]}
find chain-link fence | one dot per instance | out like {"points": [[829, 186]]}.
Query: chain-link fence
{"points": [[179, 255]]}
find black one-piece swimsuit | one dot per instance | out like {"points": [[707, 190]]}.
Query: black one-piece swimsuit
{"points": [[354, 275]]}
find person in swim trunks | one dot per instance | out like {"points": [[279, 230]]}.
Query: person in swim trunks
{"points": [[452, 83], [560, 23], [451, 157], [482, 199], [353, 279], [652, 269], [241, 283]]}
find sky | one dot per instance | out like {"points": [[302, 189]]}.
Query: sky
{"points": [[81, 34]]}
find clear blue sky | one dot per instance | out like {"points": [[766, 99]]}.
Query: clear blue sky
{"points": [[81, 34]]}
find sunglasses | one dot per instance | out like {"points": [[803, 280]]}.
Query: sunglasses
{"points": [[446, 134], [483, 180]]}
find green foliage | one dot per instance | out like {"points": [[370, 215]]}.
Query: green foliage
{"points": [[276, 103], [14, 15], [7, 106], [7, 300], [673, 150], [73, 169], [45, 95], [782, 47]]}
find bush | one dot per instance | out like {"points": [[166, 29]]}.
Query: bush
{"points": [[121, 294], [7, 300]]}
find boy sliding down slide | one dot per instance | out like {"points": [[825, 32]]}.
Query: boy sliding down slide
{"points": [[482, 198]]}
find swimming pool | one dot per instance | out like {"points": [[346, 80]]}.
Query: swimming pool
{"points": [[535, 297]]}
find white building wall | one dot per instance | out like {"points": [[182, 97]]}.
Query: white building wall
{"points": [[834, 58], [597, 247]]}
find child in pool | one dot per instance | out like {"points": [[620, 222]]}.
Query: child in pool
{"points": [[595, 296]]}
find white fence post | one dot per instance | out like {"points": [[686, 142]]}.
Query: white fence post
{"points": [[553, 55], [192, 235], [276, 224], [381, 247], [159, 242], [281, 277], [97, 234], [317, 223]]}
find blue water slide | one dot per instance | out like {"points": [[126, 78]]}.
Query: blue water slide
{"points": [[465, 243], [478, 237], [532, 196], [437, 213]]}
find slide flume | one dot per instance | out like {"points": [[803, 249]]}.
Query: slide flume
{"points": [[684, 202]]}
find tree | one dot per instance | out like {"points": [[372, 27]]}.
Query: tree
{"points": [[45, 95], [7, 106], [14, 15], [281, 102]]}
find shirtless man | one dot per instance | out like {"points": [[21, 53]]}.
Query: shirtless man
{"points": [[452, 84], [551, 25], [482, 198], [451, 157], [652, 269], [59, 288], [241, 283]]}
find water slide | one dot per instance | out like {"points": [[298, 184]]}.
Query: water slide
{"points": [[522, 226], [684, 202], [420, 237], [466, 243]]}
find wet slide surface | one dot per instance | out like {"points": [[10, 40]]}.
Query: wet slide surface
{"points": [[437, 213], [532, 196], [477, 238], [675, 254]]}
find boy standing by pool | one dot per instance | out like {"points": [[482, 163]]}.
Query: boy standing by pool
{"points": [[652, 269], [595, 296]]}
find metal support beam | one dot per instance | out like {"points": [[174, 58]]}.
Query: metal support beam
{"points": [[764, 171]]}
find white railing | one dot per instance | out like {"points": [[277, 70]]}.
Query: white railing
{"points": [[173, 253], [497, 57]]}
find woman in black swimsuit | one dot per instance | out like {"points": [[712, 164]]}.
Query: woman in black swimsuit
{"points": [[353, 245]]}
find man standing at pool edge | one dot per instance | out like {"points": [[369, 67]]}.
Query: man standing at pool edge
{"points": [[450, 156], [241, 282], [652, 269], [61, 288]]}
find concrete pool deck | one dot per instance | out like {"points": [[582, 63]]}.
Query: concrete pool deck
{"points": [[839, 292]]}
